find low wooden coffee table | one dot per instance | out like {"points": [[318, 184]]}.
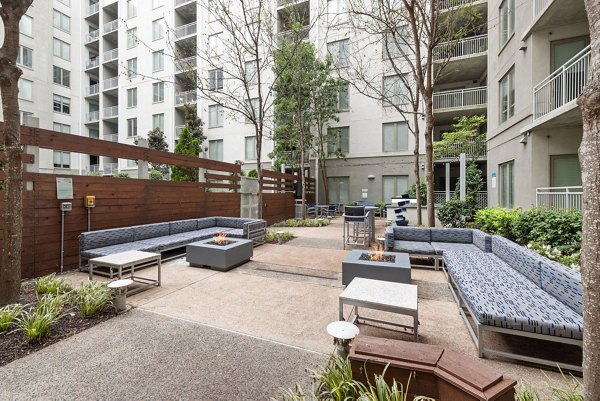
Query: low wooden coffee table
{"points": [[127, 261]]}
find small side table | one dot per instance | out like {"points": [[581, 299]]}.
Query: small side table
{"points": [[343, 333], [120, 287]]}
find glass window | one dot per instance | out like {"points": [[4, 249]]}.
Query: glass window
{"points": [[215, 79], [340, 140], [131, 9], [158, 92], [61, 21], [132, 38], [396, 45], [26, 25], [343, 98], [62, 49], [25, 57], [215, 149], [158, 29], [395, 136], [131, 127], [507, 185], [252, 110], [132, 97], [250, 153], [215, 116], [132, 68], [507, 96], [94, 133], [250, 68], [507, 21], [215, 45], [61, 104], [338, 189], [64, 128], [62, 76], [394, 90], [62, 159], [336, 11], [394, 186], [158, 121], [158, 60], [565, 171], [340, 52], [25, 89]]}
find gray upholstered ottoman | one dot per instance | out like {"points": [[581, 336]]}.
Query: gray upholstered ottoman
{"points": [[219, 257]]}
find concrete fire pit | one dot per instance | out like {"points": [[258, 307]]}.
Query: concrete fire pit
{"points": [[397, 271], [205, 253]]}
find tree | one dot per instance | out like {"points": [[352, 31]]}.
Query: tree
{"points": [[589, 158], [158, 141], [467, 133], [194, 123], [189, 146], [11, 12]]}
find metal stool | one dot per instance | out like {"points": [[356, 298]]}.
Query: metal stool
{"points": [[343, 333]]}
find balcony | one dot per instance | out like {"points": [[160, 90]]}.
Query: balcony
{"points": [[111, 83], [446, 5], [94, 168], [474, 148], [476, 45], [184, 31], [455, 103], [285, 3], [92, 9], [92, 36], [111, 137], [92, 117], [182, 98], [110, 55], [92, 90], [110, 112], [92, 63], [464, 59], [566, 198], [111, 26], [440, 197], [178, 130], [185, 64], [556, 95], [303, 34], [550, 13], [110, 168]]}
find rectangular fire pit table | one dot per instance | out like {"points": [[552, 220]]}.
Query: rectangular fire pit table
{"points": [[397, 271], [219, 257], [127, 261], [384, 296]]}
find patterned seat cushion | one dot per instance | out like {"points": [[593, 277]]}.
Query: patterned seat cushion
{"points": [[414, 247], [441, 247], [236, 233], [182, 226], [205, 222], [519, 258], [150, 231], [231, 222], [455, 235], [111, 249], [482, 240], [412, 234], [562, 283], [199, 235], [500, 296], [104, 238]]}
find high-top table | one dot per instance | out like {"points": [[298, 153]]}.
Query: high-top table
{"points": [[127, 261]]}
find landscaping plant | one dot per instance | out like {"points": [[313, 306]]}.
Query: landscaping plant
{"points": [[92, 297], [273, 237], [303, 223], [50, 284], [455, 213], [8, 314], [36, 323]]}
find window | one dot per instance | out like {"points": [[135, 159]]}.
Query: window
{"points": [[158, 30], [158, 92], [132, 38], [61, 21], [25, 89], [62, 76], [132, 97], [250, 68], [131, 127], [343, 98], [394, 186], [336, 11], [340, 140], [250, 153], [25, 57], [158, 121], [26, 25], [339, 52], [396, 45], [62, 49], [62, 159], [507, 21], [215, 45], [94, 133], [252, 109], [62, 104], [507, 184], [507, 96], [64, 128], [131, 9], [565, 171], [215, 149], [132, 68], [215, 79], [158, 60], [157, 3], [338, 189], [393, 90], [395, 136], [215, 116], [23, 114]]}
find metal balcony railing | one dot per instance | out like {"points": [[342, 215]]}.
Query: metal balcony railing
{"points": [[94, 168], [448, 4], [110, 112], [110, 55], [110, 26], [472, 148], [178, 130], [110, 168], [289, 35], [461, 48], [563, 85], [185, 64], [186, 30], [460, 98], [92, 63], [92, 116], [185, 97], [439, 197], [92, 90], [111, 137], [281, 3], [539, 6], [181, 2], [568, 198], [92, 36], [92, 9], [110, 83]]}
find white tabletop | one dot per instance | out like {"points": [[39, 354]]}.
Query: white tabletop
{"points": [[120, 283], [385, 293], [124, 258], [342, 330]]}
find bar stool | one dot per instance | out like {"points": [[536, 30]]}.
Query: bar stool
{"points": [[356, 226]]}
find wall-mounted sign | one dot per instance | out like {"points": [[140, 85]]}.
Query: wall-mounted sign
{"points": [[493, 179], [64, 188]]}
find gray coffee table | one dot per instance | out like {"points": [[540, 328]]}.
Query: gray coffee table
{"points": [[127, 261], [384, 296], [219, 257]]}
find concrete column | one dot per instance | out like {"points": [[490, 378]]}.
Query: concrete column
{"points": [[463, 175], [447, 181], [143, 164]]}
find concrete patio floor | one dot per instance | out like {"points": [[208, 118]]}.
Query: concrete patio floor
{"points": [[267, 316]]}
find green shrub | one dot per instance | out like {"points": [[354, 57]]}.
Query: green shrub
{"points": [[8, 314], [253, 173], [412, 192], [455, 213], [273, 236], [121, 174], [94, 174], [50, 284], [497, 221], [556, 228], [303, 223], [36, 323], [92, 297], [156, 175]]}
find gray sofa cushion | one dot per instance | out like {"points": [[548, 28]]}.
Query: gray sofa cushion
{"points": [[500, 296], [103, 238], [236, 233], [441, 247], [562, 283], [482, 240], [519, 258], [412, 234], [414, 247], [205, 222], [150, 231], [182, 226], [231, 222], [456, 235], [128, 246]]}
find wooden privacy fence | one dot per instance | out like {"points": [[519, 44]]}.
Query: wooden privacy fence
{"points": [[279, 194], [121, 201]]}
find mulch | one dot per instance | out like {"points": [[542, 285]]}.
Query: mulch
{"points": [[14, 345]]}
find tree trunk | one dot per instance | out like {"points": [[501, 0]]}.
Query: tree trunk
{"points": [[323, 169], [589, 158], [417, 133], [429, 121], [302, 178], [10, 268], [260, 175]]}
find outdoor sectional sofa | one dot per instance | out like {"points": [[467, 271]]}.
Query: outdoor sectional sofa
{"points": [[503, 287], [162, 237]]}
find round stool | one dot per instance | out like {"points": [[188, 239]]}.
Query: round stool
{"points": [[343, 333], [120, 287]]}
